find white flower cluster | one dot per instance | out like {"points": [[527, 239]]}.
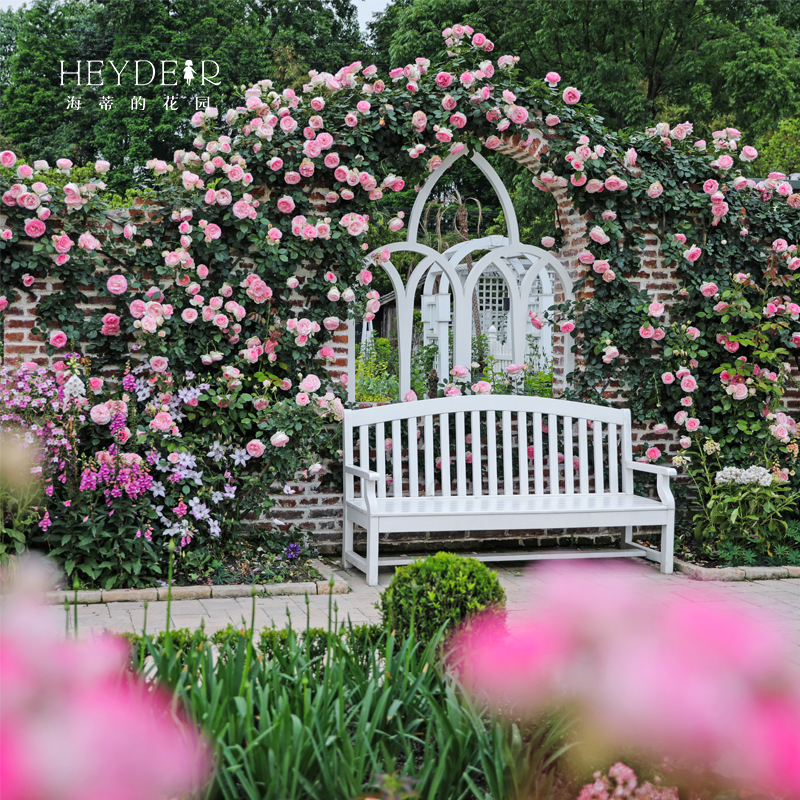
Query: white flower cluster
{"points": [[759, 475]]}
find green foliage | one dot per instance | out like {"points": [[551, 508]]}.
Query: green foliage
{"points": [[376, 372], [341, 714], [739, 516], [779, 151], [249, 40], [715, 63], [438, 592], [102, 549]]}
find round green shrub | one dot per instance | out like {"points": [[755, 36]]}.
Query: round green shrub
{"points": [[444, 588]]}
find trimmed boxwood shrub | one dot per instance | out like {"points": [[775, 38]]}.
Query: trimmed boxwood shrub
{"points": [[443, 589]]}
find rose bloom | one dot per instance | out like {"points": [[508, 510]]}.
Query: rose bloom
{"points": [[189, 315], [709, 289], [653, 453], [279, 439], [692, 424], [159, 363], [566, 327], [161, 422], [571, 96], [117, 284], [100, 414], [302, 399], [255, 448], [655, 309], [692, 254], [58, 339], [688, 383], [482, 387], [310, 383], [655, 190], [34, 228]]}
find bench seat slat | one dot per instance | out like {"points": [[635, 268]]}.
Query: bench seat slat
{"points": [[516, 504]]}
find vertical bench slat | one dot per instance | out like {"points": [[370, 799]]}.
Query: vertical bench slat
{"points": [[477, 476], [444, 434], [397, 459], [538, 454], [599, 486], [613, 475], [491, 452], [430, 471], [363, 452], [552, 457], [508, 456], [522, 446], [413, 469], [461, 456], [380, 456], [569, 453], [349, 480], [626, 449], [583, 455]]}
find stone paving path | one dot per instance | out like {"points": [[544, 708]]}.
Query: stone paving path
{"points": [[777, 599]]}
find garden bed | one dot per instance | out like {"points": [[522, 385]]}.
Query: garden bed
{"points": [[321, 580], [721, 573]]}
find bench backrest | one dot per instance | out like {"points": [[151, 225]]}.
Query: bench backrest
{"points": [[490, 445]]}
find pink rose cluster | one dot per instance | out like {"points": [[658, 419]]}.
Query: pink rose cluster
{"points": [[306, 229], [150, 314], [254, 348], [303, 329], [256, 289]]}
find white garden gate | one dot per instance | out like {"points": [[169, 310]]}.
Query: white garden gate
{"points": [[509, 277]]}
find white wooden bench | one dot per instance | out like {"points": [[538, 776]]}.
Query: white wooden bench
{"points": [[503, 488]]}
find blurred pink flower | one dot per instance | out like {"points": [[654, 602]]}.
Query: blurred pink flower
{"points": [[75, 724], [718, 683]]}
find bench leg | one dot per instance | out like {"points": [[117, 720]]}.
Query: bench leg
{"points": [[347, 539], [372, 553], [668, 544], [627, 537]]}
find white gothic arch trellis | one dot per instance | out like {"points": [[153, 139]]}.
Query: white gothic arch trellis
{"points": [[505, 256]]}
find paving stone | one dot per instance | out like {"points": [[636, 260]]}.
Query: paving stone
{"points": [[299, 588], [707, 574], [185, 592], [236, 590], [765, 573], [336, 586], [84, 597], [129, 595]]}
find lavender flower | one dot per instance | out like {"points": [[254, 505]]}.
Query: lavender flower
{"points": [[292, 551]]}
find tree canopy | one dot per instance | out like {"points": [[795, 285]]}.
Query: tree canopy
{"points": [[716, 63]]}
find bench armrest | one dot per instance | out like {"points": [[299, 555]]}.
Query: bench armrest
{"points": [[360, 472], [663, 474], [655, 469]]}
